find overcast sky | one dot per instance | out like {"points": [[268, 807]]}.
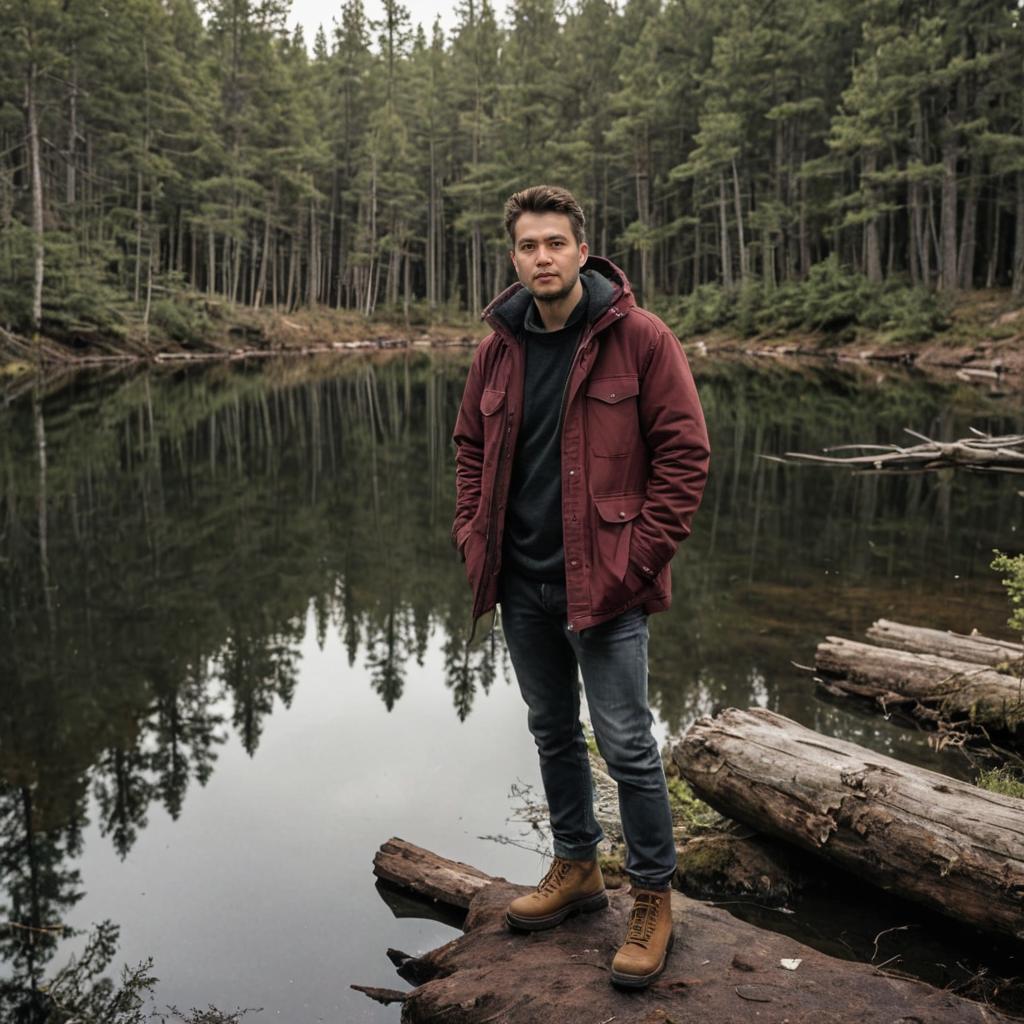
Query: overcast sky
{"points": [[311, 13]]}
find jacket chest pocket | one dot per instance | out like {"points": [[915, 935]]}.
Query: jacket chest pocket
{"points": [[492, 404], [613, 426]]}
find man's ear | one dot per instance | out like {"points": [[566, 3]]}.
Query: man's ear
{"points": [[584, 252]]}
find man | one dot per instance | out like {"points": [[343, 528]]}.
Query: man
{"points": [[581, 459]]}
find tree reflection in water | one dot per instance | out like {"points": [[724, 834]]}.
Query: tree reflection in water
{"points": [[166, 538]]}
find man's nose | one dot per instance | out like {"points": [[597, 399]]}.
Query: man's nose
{"points": [[543, 256]]}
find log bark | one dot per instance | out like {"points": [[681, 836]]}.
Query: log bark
{"points": [[943, 843], [411, 867], [960, 689], [721, 970], [1002, 655]]}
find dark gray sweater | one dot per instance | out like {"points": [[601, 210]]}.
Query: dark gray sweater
{"points": [[533, 530]]}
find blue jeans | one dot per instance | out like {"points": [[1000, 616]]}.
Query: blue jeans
{"points": [[612, 657]]}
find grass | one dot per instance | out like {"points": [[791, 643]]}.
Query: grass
{"points": [[1002, 780]]}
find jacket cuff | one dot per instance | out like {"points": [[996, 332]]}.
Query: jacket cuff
{"points": [[642, 566]]}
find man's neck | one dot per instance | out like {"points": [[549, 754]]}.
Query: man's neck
{"points": [[554, 314]]}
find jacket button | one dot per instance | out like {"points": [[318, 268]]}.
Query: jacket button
{"points": [[612, 395], [574, 563], [572, 472], [572, 625], [622, 515]]}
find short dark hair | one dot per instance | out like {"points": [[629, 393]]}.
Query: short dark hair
{"points": [[545, 199]]}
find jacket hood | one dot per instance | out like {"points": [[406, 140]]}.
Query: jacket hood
{"points": [[607, 285]]}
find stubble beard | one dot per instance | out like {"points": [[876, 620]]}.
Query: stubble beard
{"points": [[560, 294]]}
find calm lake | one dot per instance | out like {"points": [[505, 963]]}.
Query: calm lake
{"points": [[233, 652]]}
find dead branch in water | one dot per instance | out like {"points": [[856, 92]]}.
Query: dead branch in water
{"points": [[979, 453]]}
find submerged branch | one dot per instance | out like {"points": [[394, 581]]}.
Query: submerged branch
{"points": [[980, 453]]}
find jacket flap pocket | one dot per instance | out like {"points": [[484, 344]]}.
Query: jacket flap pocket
{"points": [[613, 389], [619, 508], [491, 401]]}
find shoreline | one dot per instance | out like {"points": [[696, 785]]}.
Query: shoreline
{"points": [[978, 347]]}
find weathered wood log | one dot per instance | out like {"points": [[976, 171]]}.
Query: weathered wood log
{"points": [[959, 689], [1002, 655], [447, 881], [944, 843], [719, 968]]}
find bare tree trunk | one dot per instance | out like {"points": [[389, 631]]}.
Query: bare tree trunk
{"points": [[931, 240], [70, 189], [211, 263], [642, 180], [138, 236], [36, 172], [993, 239], [293, 261], [313, 292], [805, 241], [968, 232], [261, 283], [371, 282], [1018, 240], [914, 233], [744, 266], [430, 267], [475, 260], [872, 249], [948, 252], [723, 234], [695, 283]]}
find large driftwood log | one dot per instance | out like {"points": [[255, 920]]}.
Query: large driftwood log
{"points": [[958, 688], [1002, 655], [722, 970], [944, 843]]}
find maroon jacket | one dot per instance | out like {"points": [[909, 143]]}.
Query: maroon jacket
{"points": [[634, 454]]}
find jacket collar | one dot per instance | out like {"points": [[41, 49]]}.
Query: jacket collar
{"points": [[610, 297]]}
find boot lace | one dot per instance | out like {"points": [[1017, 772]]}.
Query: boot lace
{"points": [[643, 918], [556, 875]]}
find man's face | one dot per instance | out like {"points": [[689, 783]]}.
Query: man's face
{"points": [[546, 255]]}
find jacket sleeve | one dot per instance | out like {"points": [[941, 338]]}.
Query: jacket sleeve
{"points": [[677, 439], [469, 452]]}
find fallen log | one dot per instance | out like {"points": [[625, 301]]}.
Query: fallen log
{"points": [[411, 867], [719, 969], [947, 844], [959, 689], [1002, 655]]}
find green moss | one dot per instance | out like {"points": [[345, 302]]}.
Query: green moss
{"points": [[705, 858], [1001, 780], [689, 810], [613, 867]]}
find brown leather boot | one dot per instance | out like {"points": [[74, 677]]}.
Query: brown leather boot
{"points": [[570, 887], [648, 939]]}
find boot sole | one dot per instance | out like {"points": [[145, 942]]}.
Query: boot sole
{"points": [[643, 980], [586, 905]]}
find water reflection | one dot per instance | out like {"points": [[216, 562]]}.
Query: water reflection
{"points": [[163, 538]]}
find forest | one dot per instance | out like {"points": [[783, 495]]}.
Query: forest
{"points": [[156, 155]]}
